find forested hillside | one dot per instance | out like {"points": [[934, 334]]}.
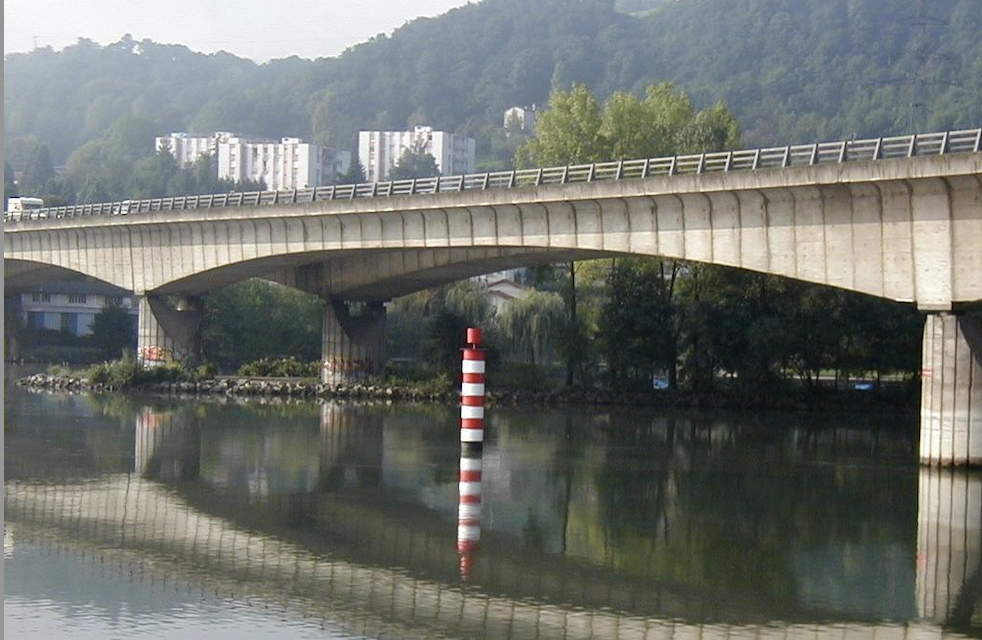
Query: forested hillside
{"points": [[789, 70]]}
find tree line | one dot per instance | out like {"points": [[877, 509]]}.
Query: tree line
{"points": [[788, 70]]}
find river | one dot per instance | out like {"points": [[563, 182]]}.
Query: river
{"points": [[152, 517]]}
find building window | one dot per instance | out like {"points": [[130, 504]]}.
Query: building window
{"points": [[77, 298], [40, 297], [113, 301], [35, 319]]}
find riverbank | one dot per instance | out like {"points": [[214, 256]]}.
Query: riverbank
{"points": [[893, 397]]}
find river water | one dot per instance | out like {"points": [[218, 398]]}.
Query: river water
{"points": [[140, 517]]}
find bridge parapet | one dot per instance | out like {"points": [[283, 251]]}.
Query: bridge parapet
{"points": [[871, 149]]}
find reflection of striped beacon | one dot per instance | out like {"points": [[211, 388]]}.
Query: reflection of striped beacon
{"points": [[469, 509], [472, 390]]}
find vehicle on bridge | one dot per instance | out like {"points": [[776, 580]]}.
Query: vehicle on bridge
{"points": [[25, 207]]}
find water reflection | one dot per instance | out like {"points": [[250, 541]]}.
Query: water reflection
{"points": [[601, 525]]}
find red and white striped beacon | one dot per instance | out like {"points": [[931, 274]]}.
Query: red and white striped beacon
{"points": [[469, 509], [473, 363]]}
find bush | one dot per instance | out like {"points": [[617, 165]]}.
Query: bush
{"points": [[280, 368], [129, 372]]}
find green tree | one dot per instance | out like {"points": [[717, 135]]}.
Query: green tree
{"points": [[532, 326], [113, 331], [38, 171], [415, 162], [257, 319]]}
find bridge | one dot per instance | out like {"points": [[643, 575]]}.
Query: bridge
{"points": [[899, 218]]}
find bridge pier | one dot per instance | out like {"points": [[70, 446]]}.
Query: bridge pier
{"points": [[951, 391], [167, 333], [352, 346], [949, 545]]}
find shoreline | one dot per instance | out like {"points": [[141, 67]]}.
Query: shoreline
{"points": [[298, 389]]}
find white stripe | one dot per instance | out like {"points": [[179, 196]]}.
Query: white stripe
{"points": [[470, 464], [472, 435], [470, 488], [472, 366], [472, 389], [469, 412], [469, 511], [466, 532]]}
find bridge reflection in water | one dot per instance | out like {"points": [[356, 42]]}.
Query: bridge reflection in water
{"points": [[331, 521]]}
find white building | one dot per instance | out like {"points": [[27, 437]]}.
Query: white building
{"points": [[524, 116], [186, 148], [288, 164], [71, 306], [379, 151]]}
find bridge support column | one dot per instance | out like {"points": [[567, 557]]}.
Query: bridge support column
{"points": [[949, 545], [352, 346], [951, 391], [168, 333]]}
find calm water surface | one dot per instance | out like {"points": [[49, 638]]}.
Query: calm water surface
{"points": [[165, 518]]}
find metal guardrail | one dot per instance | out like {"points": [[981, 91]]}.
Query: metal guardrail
{"points": [[927, 144]]}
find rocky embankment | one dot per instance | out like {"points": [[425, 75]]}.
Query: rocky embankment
{"points": [[299, 389]]}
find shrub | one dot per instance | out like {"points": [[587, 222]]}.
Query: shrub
{"points": [[280, 368]]}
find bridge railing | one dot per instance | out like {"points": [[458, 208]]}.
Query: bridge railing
{"points": [[873, 149]]}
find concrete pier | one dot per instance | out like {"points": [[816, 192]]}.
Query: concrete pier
{"points": [[352, 346], [949, 545], [168, 333], [951, 391]]}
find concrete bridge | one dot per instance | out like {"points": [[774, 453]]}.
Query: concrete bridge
{"points": [[899, 218]]}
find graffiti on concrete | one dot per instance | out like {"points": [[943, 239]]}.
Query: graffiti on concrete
{"points": [[347, 367]]}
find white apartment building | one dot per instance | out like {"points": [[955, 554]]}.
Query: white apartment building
{"points": [[187, 148], [285, 165], [70, 306], [379, 151]]}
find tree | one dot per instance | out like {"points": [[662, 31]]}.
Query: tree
{"points": [[113, 330], [38, 171], [415, 162], [355, 174], [531, 326], [9, 188], [576, 128]]}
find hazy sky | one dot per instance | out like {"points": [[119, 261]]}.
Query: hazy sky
{"points": [[256, 29]]}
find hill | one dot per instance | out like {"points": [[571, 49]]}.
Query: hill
{"points": [[790, 70]]}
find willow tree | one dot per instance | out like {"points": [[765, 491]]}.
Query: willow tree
{"points": [[532, 326]]}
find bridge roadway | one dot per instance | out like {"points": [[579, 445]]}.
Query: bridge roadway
{"points": [[850, 215], [153, 534]]}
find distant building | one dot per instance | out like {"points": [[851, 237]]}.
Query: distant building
{"points": [[379, 151], [523, 116], [187, 148], [503, 288], [70, 306], [288, 164]]}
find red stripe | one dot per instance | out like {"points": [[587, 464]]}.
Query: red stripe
{"points": [[473, 377], [472, 423], [472, 401], [474, 354], [470, 476], [468, 522], [466, 545], [469, 498]]}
